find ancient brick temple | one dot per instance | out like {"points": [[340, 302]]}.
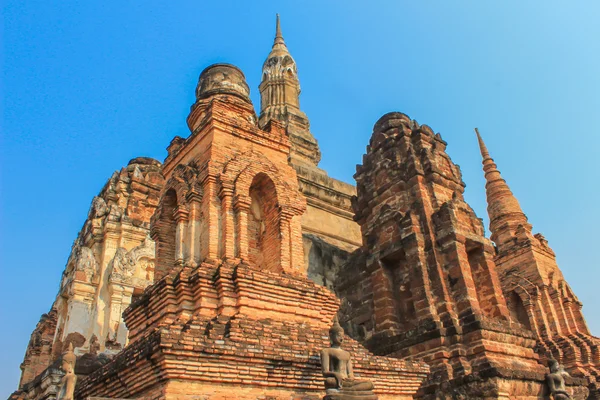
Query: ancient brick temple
{"points": [[428, 285], [217, 273]]}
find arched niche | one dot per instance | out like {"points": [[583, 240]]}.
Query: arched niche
{"points": [[264, 238], [251, 182], [517, 310]]}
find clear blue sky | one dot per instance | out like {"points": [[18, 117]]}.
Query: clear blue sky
{"points": [[89, 85]]}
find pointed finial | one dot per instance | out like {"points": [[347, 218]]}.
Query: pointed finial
{"points": [[503, 208], [484, 151], [278, 35]]}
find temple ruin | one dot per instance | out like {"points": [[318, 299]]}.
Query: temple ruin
{"points": [[238, 269]]}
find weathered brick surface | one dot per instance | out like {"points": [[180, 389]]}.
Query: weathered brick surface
{"points": [[424, 285], [39, 353], [272, 339], [241, 214]]}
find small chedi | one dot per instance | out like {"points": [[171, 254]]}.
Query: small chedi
{"points": [[216, 273]]}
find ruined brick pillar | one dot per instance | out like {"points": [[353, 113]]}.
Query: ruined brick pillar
{"points": [[538, 296], [424, 284]]}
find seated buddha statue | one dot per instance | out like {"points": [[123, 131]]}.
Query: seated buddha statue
{"points": [[69, 379], [556, 381], [336, 363]]}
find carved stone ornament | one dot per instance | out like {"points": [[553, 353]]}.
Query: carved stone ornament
{"points": [[83, 259], [122, 265], [98, 209]]}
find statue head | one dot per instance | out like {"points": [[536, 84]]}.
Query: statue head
{"points": [[68, 359], [553, 365], [336, 333]]}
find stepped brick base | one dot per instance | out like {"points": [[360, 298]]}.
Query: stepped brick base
{"points": [[234, 332]]}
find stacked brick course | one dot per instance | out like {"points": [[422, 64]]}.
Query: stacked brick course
{"points": [[269, 346], [39, 354]]}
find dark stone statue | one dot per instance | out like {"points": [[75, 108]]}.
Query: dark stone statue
{"points": [[336, 363], [556, 381]]}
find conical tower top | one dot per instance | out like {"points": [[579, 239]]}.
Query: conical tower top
{"points": [[504, 209], [279, 47], [278, 35], [280, 100]]}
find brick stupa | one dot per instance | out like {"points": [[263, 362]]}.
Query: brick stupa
{"points": [[537, 294]]}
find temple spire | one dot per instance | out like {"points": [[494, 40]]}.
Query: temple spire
{"points": [[484, 151], [505, 213], [278, 35], [280, 101]]}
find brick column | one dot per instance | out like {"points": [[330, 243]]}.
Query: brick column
{"points": [[553, 324], [227, 222], [459, 270], [494, 283], [120, 299], [421, 284], [79, 309], [210, 205], [242, 207], [181, 216], [384, 305], [194, 200], [543, 316], [297, 248], [530, 309], [284, 243], [562, 319]]}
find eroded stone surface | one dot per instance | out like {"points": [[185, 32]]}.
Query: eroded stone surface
{"points": [[111, 260]]}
